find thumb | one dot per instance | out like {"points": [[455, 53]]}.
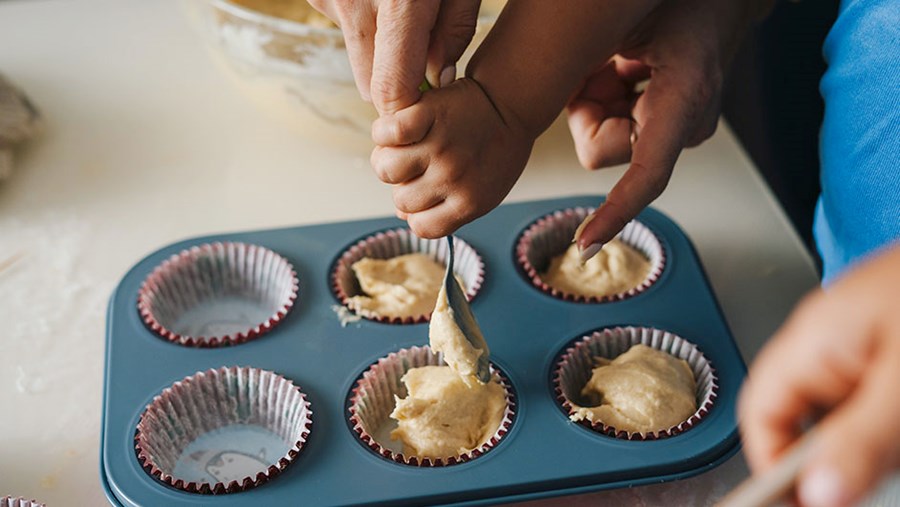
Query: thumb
{"points": [[453, 31], [856, 444]]}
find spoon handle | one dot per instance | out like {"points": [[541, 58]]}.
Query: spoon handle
{"points": [[773, 485]]}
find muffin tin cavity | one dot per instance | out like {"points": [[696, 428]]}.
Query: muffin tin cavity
{"points": [[391, 243], [371, 402], [223, 430], [218, 294], [573, 369], [550, 235]]}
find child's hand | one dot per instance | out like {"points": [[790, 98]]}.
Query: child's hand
{"points": [[838, 353], [451, 157]]}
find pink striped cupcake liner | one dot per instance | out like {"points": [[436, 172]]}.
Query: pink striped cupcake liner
{"points": [[576, 364], [9, 501], [469, 267], [218, 294], [372, 401], [223, 430], [550, 236]]}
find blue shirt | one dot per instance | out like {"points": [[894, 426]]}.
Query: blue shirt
{"points": [[859, 209]]}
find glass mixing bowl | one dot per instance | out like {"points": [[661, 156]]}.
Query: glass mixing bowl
{"points": [[299, 71]]}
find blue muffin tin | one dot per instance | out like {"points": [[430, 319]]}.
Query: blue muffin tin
{"points": [[544, 454]]}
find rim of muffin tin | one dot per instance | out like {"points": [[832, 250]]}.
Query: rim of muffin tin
{"points": [[658, 339], [150, 466], [369, 441], [160, 275], [578, 213], [438, 252]]}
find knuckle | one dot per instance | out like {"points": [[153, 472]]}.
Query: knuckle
{"points": [[401, 199], [381, 166], [386, 92], [400, 132], [425, 228]]}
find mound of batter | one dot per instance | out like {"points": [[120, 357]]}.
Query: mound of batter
{"points": [[399, 287], [643, 390], [615, 269], [445, 336], [442, 417]]}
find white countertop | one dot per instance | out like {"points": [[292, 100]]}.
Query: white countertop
{"points": [[148, 141]]}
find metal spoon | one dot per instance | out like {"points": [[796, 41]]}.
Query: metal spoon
{"points": [[463, 317]]}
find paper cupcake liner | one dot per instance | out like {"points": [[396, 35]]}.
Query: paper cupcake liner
{"points": [[576, 363], [9, 501], [395, 242], [372, 401], [218, 294], [223, 430], [552, 234]]}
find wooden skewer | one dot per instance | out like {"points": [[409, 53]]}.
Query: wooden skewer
{"points": [[772, 486]]}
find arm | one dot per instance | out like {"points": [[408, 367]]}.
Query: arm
{"points": [[539, 51]]}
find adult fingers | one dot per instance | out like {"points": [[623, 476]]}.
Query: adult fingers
{"points": [[600, 141], [401, 47], [600, 114], [397, 165], [327, 8], [357, 22], [452, 33], [709, 120], [407, 126], [665, 115]]}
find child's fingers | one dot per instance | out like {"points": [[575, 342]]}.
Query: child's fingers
{"points": [[407, 126], [665, 115], [401, 47], [838, 353], [857, 443], [416, 196], [802, 369], [440, 220], [397, 165], [600, 141]]}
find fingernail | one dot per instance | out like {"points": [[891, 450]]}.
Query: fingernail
{"points": [[581, 227], [589, 252], [448, 75], [823, 487]]}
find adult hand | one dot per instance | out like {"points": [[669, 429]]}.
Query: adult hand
{"points": [[394, 44], [837, 354], [683, 48]]}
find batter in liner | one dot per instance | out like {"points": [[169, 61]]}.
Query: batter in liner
{"points": [[442, 417], [643, 390], [399, 287], [615, 269]]}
